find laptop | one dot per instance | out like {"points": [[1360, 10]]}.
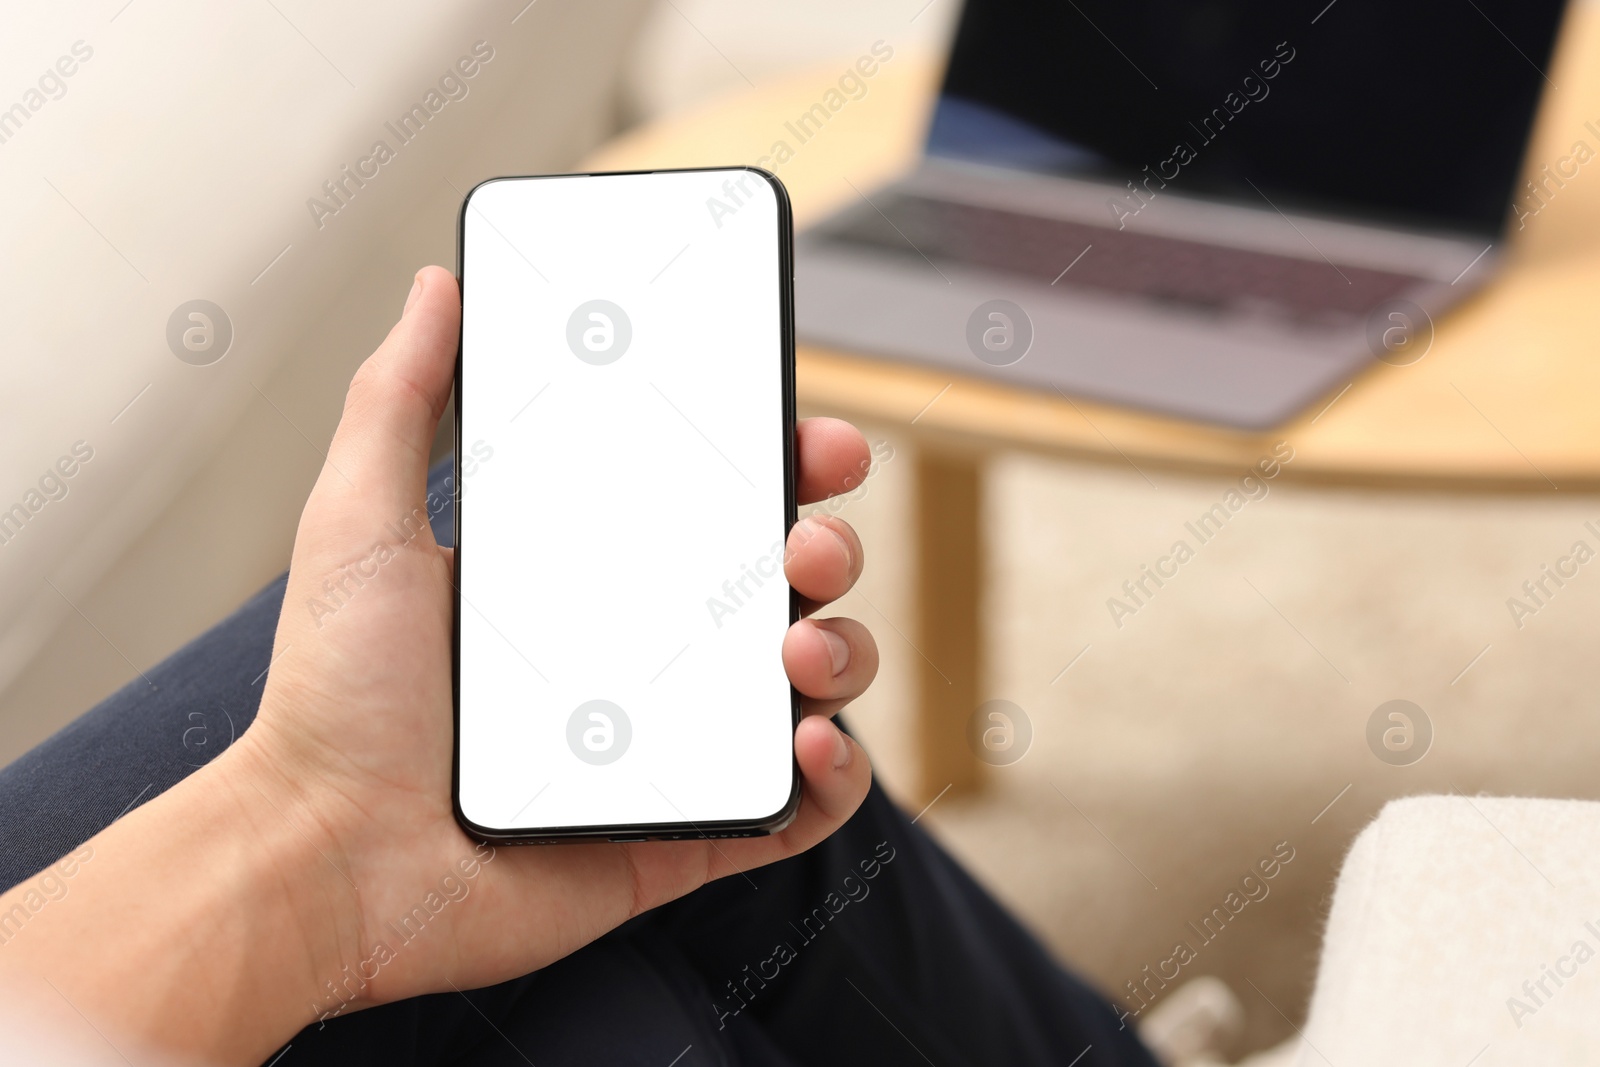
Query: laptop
{"points": [[1217, 210]]}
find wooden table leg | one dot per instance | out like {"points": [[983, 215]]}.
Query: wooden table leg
{"points": [[948, 598]]}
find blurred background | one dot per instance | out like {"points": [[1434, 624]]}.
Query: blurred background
{"points": [[1168, 755]]}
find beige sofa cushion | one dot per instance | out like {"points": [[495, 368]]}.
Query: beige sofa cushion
{"points": [[230, 153], [1464, 930]]}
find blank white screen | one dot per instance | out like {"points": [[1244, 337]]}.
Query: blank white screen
{"points": [[620, 499]]}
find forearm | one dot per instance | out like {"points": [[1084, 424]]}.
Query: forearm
{"points": [[199, 927]]}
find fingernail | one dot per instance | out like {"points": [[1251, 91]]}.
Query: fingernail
{"points": [[844, 546], [810, 526], [838, 650], [841, 750], [416, 291]]}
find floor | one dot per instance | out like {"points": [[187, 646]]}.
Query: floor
{"points": [[1227, 719]]}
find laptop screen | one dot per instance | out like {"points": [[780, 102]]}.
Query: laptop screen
{"points": [[1406, 111]]}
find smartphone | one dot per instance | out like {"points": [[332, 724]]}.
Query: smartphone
{"points": [[626, 484]]}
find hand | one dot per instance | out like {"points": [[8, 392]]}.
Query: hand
{"points": [[328, 824], [355, 725]]}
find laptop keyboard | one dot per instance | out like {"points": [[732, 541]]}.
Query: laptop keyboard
{"points": [[1190, 274]]}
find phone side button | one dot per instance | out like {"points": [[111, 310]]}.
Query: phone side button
{"points": [[625, 840]]}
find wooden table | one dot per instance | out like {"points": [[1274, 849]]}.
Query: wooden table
{"points": [[1507, 399]]}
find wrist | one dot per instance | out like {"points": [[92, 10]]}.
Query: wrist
{"points": [[294, 872], [207, 924]]}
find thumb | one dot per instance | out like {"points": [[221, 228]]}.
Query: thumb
{"points": [[379, 453]]}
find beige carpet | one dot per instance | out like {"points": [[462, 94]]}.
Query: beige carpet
{"points": [[1224, 717]]}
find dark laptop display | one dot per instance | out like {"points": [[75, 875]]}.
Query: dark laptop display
{"points": [[1223, 210], [1413, 113]]}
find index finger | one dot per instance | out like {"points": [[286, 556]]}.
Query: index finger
{"points": [[832, 457]]}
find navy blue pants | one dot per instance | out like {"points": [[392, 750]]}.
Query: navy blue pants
{"points": [[872, 948]]}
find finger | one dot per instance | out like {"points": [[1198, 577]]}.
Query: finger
{"points": [[396, 397], [832, 458], [836, 774], [822, 560], [831, 661]]}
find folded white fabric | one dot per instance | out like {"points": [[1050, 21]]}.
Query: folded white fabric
{"points": [[1464, 930]]}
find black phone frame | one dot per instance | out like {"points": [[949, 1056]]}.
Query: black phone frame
{"points": [[628, 833]]}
